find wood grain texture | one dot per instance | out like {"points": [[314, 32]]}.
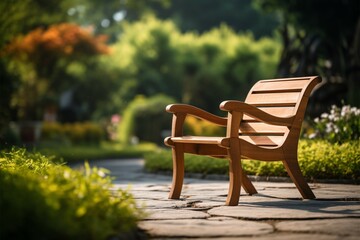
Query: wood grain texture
{"points": [[266, 127]]}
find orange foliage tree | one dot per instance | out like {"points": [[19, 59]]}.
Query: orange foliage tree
{"points": [[42, 57], [44, 47]]}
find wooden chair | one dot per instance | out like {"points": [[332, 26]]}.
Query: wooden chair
{"points": [[265, 127]]}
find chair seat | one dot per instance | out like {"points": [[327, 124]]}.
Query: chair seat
{"points": [[197, 139], [260, 141]]}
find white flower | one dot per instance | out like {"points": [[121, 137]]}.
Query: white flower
{"points": [[312, 136], [329, 127], [324, 115]]}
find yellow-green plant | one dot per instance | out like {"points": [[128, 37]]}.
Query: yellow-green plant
{"points": [[195, 126], [317, 159], [76, 133], [43, 200]]}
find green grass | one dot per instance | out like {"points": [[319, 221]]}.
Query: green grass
{"points": [[106, 150], [317, 159]]}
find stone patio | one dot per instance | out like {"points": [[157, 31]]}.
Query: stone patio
{"points": [[276, 212]]}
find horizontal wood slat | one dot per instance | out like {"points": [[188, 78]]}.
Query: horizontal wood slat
{"points": [[276, 111], [273, 99], [268, 141], [262, 129], [279, 86], [287, 79]]}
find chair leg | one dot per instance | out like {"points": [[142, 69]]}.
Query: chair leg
{"points": [[235, 175], [178, 172], [293, 169], [247, 184]]}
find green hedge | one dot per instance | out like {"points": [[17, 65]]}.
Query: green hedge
{"points": [[43, 200], [145, 118], [317, 159], [75, 133]]}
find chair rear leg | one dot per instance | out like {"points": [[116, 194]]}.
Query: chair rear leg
{"points": [[178, 171], [247, 184], [293, 169]]}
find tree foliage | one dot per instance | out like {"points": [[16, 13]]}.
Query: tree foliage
{"points": [[21, 16], [203, 15], [43, 48], [155, 57], [321, 37], [47, 59], [47, 62]]}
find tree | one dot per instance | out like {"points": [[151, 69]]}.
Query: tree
{"points": [[17, 17], [45, 58], [20, 16], [321, 37], [203, 15], [154, 57]]}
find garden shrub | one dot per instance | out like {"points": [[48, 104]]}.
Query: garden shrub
{"points": [[339, 125], [196, 126], [43, 200], [74, 132], [317, 159], [322, 159], [146, 118]]}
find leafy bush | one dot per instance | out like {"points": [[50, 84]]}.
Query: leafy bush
{"points": [[322, 159], [317, 159], [43, 200], [340, 125], [145, 118], [74, 132], [195, 126]]}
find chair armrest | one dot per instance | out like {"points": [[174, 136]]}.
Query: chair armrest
{"points": [[256, 113], [197, 112]]}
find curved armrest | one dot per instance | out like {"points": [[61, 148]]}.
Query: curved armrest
{"points": [[256, 113], [197, 112]]}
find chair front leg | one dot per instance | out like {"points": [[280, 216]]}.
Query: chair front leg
{"points": [[178, 171], [235, 173]]}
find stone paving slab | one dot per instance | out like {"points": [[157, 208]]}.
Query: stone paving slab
{"points": [[170, 214], [211, 227], [289, 209], [276, 212], [278, 236], [343, 227]]}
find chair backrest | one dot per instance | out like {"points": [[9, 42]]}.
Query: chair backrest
{"points": [[279, 97]]}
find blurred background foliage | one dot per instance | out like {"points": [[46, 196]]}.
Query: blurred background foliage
{"points": [[74, 61]]}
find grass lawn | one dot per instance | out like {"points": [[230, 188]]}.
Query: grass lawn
{"points": [[105, 150]]}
